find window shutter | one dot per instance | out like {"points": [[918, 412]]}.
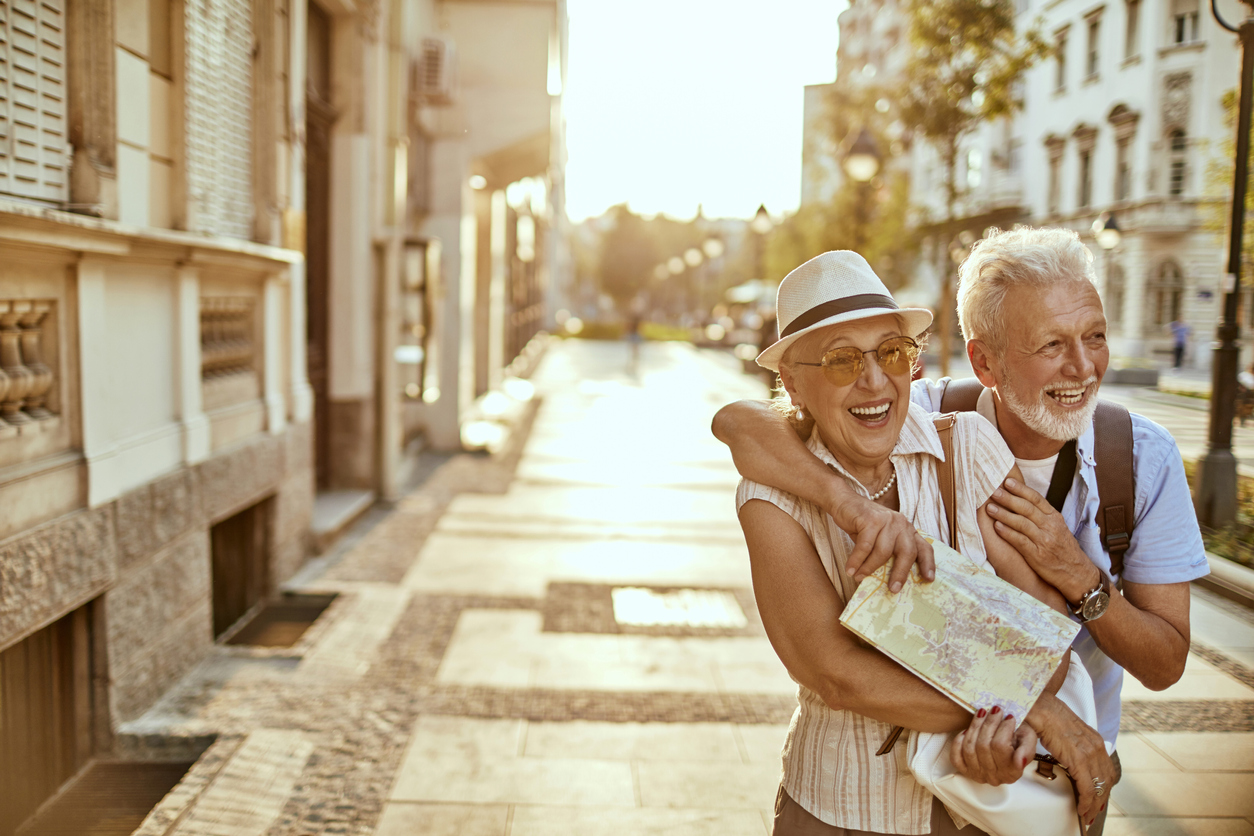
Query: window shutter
{"points": [[33, 146]]}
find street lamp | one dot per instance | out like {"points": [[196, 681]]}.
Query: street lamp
{"points": [[861, 162], [761, 224], [1108, 236], [1216, 496]]}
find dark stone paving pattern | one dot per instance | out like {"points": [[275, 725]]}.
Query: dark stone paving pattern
{"points": [[360, 729], [589, 608]]}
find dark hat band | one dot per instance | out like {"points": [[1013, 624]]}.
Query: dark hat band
{"points": [[821, 312]]}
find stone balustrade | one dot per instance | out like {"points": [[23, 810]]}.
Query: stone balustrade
{"points": [[227, 336], [26, 378]]}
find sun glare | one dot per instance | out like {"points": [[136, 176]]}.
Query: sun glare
{"points": [[674, 103]]}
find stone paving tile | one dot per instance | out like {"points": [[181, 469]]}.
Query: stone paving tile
{"points": [[402, 819], [533, 820]]}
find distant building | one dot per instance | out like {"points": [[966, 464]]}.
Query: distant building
{"points": [[1125, 120], [254, 252]]}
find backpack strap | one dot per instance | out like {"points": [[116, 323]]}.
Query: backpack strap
{"points": [[945, 472], [1116, 481], [961, 395]]}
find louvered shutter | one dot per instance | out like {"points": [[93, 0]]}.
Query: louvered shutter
{"points": [[33, 147]]}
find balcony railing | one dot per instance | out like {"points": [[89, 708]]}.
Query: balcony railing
{"points": [[227, 336], [26, 380]]}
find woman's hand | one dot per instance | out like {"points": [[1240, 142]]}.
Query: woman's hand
{"points": [[880, 534], [1077, 747], [991, 750]]}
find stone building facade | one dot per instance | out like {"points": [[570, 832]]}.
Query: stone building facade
{"points": [[249, 250], [1125, 118]]}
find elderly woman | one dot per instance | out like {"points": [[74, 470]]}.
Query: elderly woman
{"points": [[845, 357]]}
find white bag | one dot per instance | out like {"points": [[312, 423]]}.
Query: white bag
{"points": [[1033, 804]]}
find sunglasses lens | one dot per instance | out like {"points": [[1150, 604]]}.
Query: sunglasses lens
{"points": [[842, 365], [897, 355]]}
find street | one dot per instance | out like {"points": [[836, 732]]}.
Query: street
{"points": [[515, 655]]}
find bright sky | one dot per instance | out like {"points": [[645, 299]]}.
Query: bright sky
{"points": [[672, 103]]}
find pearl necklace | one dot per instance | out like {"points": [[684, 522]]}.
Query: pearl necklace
{"points": [[884, 490]]}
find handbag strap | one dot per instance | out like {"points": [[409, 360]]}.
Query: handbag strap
{"points": [[949, 492], [1045, 765]]}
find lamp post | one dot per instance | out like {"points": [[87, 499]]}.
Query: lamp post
{"points": [[1108, 236], [761, 224], [861, 162], [1215, 497]]}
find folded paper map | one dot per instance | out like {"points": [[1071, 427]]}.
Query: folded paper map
{"points": [[979, 640]]}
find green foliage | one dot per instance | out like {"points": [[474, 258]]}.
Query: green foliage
{"points": [[869, 219], [967, 60], [628, 255], [1236, 541], [1217, 214]]}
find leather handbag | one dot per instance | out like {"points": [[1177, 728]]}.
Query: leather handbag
{"points": [[1040, 802]]}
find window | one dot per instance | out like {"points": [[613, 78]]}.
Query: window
{"points": [[1055, 183], [1091, 57], [33, 142], [1113, 303], [1086, 178], [1184, 21], [1060, 60], [1165, 293], [1178, 144], [1131, 31], [1123, 171], [975, 168]]}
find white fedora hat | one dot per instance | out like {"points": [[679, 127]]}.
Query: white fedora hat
{"points": [[834, 287]]}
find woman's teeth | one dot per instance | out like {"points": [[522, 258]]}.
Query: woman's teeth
{"points": [[1067, 397], [872, 413]]}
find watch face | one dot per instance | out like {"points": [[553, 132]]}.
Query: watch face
{"points": [[1094, 606]]}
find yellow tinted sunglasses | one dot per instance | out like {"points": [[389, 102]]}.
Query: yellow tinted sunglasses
{"points": [[843, 365]]}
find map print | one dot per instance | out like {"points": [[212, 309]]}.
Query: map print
{"points": [[979, 640]]}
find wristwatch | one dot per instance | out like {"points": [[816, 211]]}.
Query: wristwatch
{"points": [[1094, 602]]}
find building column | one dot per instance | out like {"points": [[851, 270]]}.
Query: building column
{"points": [[94, 373], [498, 282], [1134, 275], [273, 331], [196, 428]]}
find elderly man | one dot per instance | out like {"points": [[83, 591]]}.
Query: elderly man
{"points": [[1036, 338]]}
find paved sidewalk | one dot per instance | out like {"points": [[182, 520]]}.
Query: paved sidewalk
{"points": [[488, 683]]}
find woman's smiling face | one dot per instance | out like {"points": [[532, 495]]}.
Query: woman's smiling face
{"points": [[858, 422]]}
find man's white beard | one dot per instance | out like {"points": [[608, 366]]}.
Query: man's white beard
{"points": [[1046, 419]]}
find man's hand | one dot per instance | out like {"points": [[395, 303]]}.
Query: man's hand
{"points": [[1025, 520], [991, 750], [1077, 747], [880, 534]]}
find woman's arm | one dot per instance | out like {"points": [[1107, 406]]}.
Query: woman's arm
{"points": [[766, 450], [801, 613]]}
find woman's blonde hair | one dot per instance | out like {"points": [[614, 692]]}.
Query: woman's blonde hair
{"points": [[1022, 257]]}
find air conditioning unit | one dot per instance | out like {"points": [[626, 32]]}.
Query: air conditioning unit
{"points": [[434, 73]]}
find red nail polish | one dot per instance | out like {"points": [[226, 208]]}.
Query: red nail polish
{"points": [[996, 709], [1010, 716], [980, 713]]}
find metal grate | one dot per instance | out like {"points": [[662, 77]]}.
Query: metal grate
{"points": [[108, 799]]}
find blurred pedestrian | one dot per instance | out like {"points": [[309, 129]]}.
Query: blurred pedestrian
{"points": [[1180, 332]]}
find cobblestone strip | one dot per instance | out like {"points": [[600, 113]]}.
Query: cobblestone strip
{"points": [[589, 608], [1225, 663], [1188, 716]]}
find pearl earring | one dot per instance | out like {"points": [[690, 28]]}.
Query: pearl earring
{"points": [[801, 416]]}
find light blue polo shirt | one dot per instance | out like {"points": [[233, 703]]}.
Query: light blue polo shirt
{"points": [[1166, 543]]}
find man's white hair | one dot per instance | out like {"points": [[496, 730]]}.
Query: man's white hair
{"points": [[1023, 257]]}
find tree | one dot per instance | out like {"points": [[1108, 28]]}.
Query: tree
{"points": [[629, 252], [1217, 213], [964, 70]]}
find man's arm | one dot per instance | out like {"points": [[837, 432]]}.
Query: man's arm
{"points": [[1145, 629], [765, 449]]}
